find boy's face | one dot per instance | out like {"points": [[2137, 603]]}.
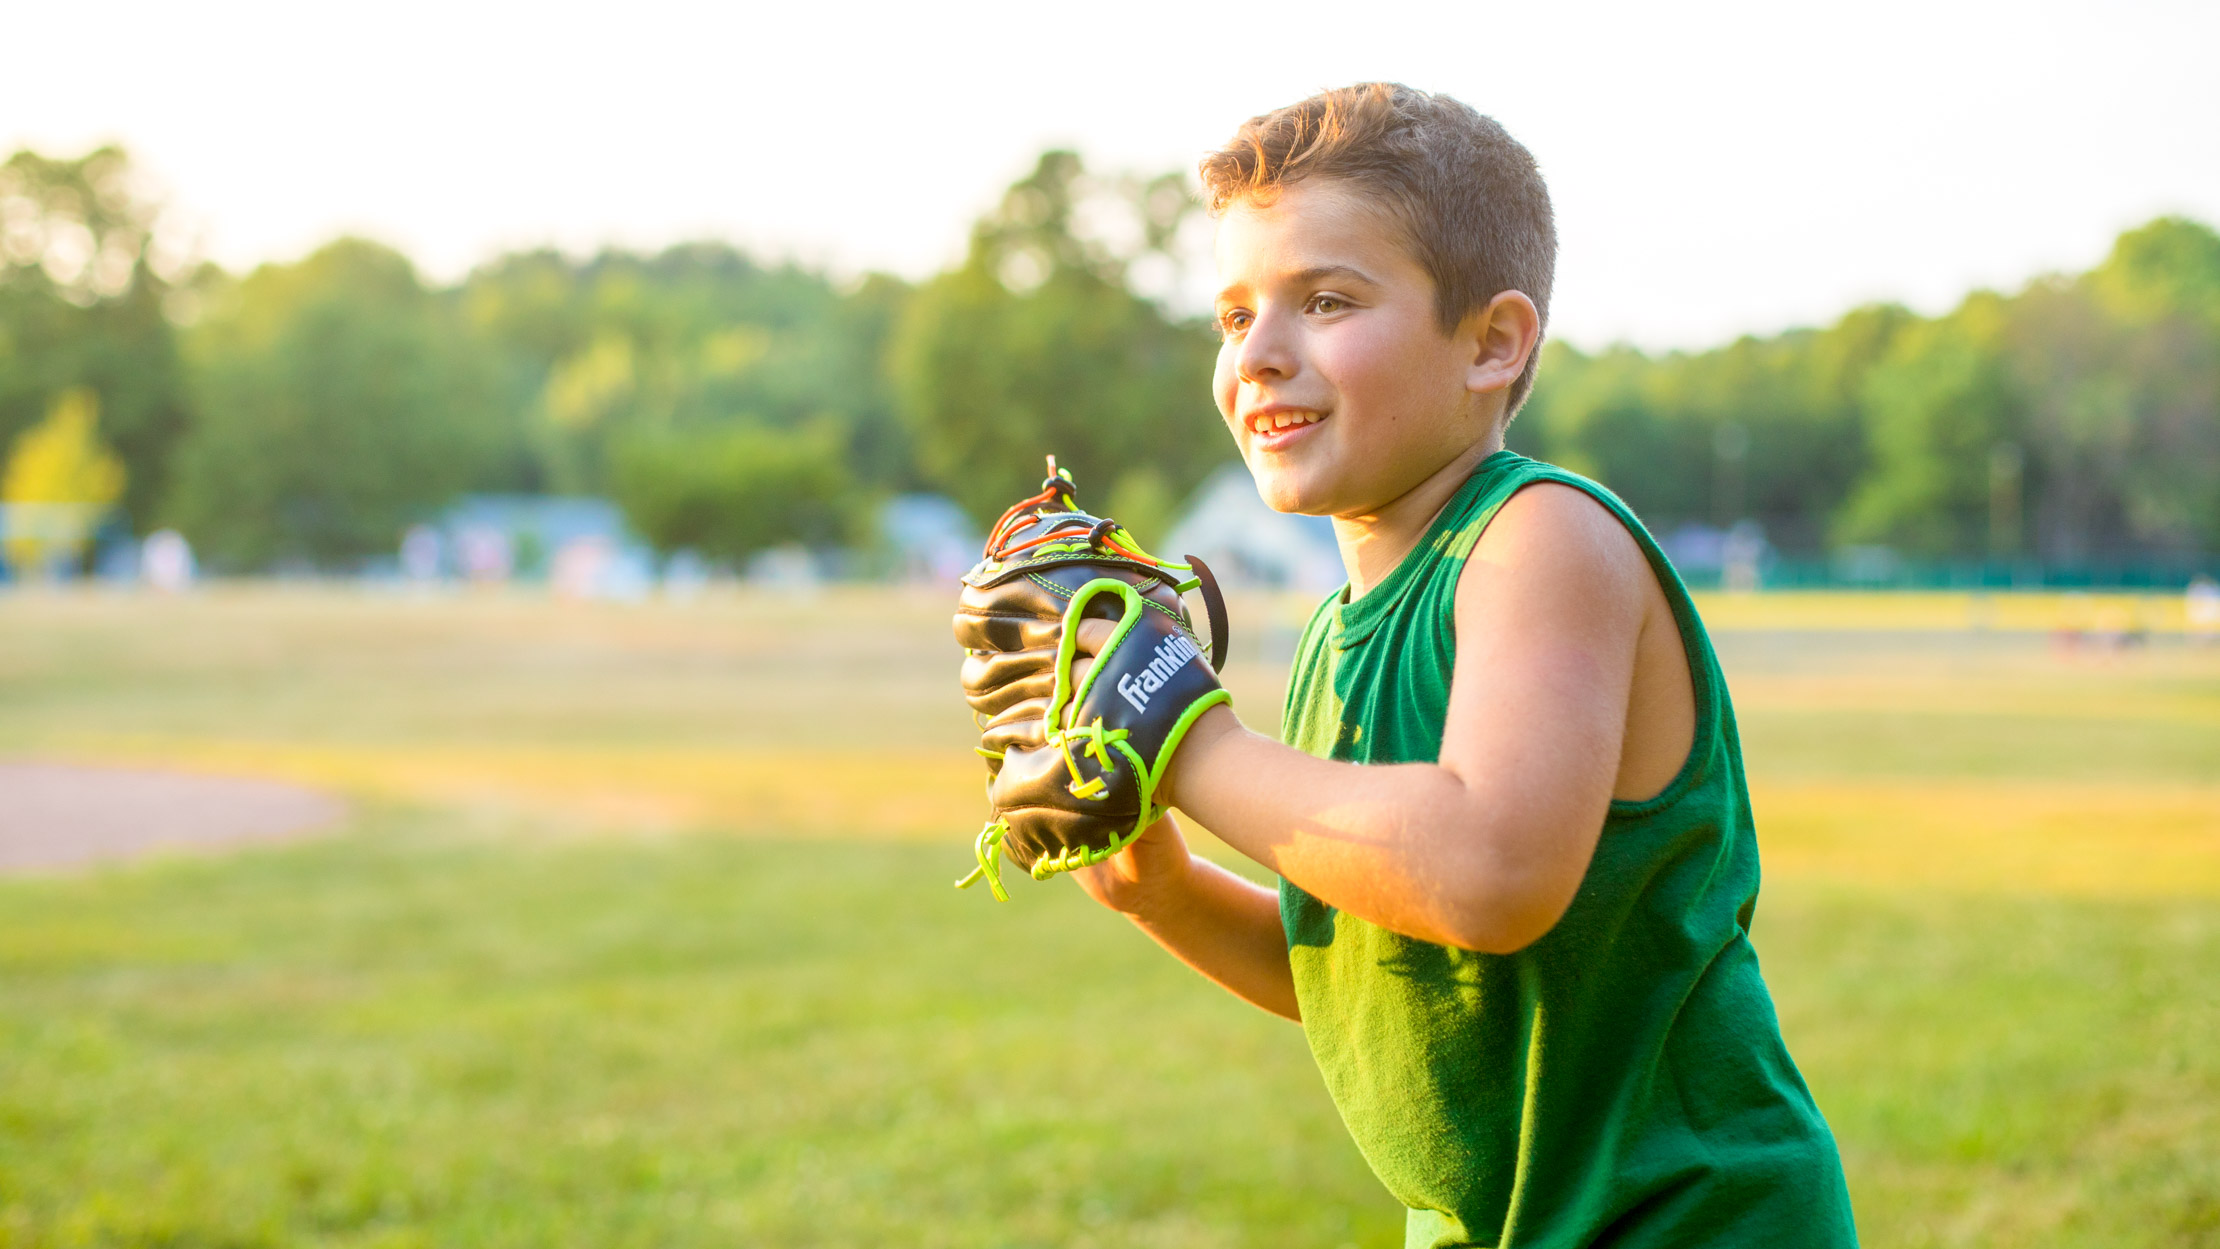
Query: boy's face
{"points": [[1335, 378]]}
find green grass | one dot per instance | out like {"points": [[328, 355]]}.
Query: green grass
{"points": [[480, 1024], [418, 1035], [429, 1034], [2009, 1070]]}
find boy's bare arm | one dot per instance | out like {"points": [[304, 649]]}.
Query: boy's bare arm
{"points": [[1209, 918], [1486, 848]]}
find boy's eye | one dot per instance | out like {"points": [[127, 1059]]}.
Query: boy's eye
{"points": [[1327, 303], [1236, 321]]}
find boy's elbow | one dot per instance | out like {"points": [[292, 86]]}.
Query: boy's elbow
{"points": [[1504, 890], [1498, 934], [1504, 916]]}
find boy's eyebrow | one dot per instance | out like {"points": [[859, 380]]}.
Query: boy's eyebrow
{"points": [[1316, 272]]}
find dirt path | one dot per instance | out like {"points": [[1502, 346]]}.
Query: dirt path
{"points": [[57, 815]]}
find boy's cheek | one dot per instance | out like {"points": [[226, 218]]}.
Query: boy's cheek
{"points": [[1225, 389]]}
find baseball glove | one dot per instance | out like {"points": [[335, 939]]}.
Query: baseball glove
{"points": [[1075, 747]]}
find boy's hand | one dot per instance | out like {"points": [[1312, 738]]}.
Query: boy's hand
{"points": [[1211, 919], [1142, 874]]}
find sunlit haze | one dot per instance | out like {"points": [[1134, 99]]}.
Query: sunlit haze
{"points": [[1718, 169]]}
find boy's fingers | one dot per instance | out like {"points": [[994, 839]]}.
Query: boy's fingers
{"points": [[1094, 635]]}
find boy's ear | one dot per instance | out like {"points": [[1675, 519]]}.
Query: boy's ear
{"points": [[1502, 335]]}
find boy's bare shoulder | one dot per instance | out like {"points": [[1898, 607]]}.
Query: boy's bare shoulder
{"points": [[1560, 587], [1562, 549]]}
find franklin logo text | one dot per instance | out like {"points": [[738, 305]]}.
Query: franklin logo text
{"points": [[1171, 654]]}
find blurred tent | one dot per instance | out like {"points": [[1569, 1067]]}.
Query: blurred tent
{"points": [[166, 561], [580, 546], [930, 538], [1248, 544]]}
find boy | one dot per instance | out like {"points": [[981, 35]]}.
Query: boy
{"points": [[1516, 857]]}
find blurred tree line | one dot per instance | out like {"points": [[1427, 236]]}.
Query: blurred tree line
{"points": [[305, 413], [2075, 422]]}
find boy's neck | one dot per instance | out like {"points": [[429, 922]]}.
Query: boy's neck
{"points": [[1373, 543]]}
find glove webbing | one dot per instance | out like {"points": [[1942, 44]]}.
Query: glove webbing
{"points": [[1079, 534]]}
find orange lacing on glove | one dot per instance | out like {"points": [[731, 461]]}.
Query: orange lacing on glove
{"points": [[1057, 489]]}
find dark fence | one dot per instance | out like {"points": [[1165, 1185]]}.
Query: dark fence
{"points": [[1867, 572]]}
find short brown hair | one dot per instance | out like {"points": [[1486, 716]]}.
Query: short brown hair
{"points": [[1468, 196]]}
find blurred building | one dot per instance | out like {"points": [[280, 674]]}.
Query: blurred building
{"points": [[45, 540], [2201, 607], [930, 539], [1707, 556], [1248, 544]]}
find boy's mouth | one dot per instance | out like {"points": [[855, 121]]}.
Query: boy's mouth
{"points": [[1277, 420]]}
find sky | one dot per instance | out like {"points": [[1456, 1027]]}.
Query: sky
{"points": [[1717, 168]]}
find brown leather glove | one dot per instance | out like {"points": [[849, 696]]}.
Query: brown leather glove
{"points": [[1075, 746]]}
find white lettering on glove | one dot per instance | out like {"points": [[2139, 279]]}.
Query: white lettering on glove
{"points": [[1172, 654]]}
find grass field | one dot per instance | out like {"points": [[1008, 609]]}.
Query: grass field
{"points": [[641, 935]]}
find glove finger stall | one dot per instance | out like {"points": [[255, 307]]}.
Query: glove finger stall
{"points": [[1000, 629], [993, 700], [984, 673], [1004, 615], [1006, 736], [991, 686]]}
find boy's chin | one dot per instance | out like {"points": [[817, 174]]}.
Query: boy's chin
{"points": [[1285, 488]]}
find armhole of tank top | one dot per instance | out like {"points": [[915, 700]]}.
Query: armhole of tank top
{"points": [[1319, 622], [1695, 648]]}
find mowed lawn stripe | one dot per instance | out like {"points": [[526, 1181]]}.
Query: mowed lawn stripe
{"points": [[2061, 839], [861, 793]]}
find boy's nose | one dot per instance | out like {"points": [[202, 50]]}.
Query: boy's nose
{"points": [[1266, 352]]}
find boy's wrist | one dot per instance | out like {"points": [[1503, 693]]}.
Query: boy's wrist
{"points": [[1162, 899], [1209, 731]]}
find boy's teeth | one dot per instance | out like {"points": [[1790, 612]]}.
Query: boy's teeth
{"points": [[1265, 424]]}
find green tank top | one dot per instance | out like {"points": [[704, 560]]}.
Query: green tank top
{"points": [[1622, 1080]]}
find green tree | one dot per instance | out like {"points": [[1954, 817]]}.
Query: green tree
{"points": [[2166, 269], [2082, 412], [1938, 405], [697, 338], [1763, 428], [2158, 295], [339, 400], [1035, 345], [2077, 419], [731, 492], [87, 273]]}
